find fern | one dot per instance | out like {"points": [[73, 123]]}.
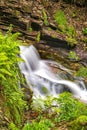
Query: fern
{"points": [[10, 75], [65, 28], [45, 17], [82, 72]]}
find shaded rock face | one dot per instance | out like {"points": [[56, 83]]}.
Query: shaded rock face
{"points": [[14, 12], [32, 16], [81, 2], [77, 2], [82, 56], [27, 14], [21, 13]]}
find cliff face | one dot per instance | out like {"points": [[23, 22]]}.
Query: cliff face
{"points": [[23, 14], [29, 17], [16, 13], [35, 20], [34, 14]]}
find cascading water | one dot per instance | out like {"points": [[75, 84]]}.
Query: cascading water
{"points": [[41, 79]]}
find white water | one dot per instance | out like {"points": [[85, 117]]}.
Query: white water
{"points": [[41, 79]]}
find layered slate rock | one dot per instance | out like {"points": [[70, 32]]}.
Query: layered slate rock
{"points": [[34, 19], [25, 15]]}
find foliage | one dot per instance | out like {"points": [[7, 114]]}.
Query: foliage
{"points": [[40, 105], [38, 36], [82, 72], [45, 90], [84, 40], [10, 75], [69, 107], [30, 29], [79, 124], [73, 55], [84, 31], [45, 18], [43, 124], [60, 19], [65, 28], [12, 126], [65, 106], [71, 41]]}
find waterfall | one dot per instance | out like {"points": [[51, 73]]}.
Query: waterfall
{"points": [[43, 81]]}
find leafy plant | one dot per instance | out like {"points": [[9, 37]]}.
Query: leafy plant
{"points": [[73, 55], [10, 75], [60, 18], [82, 72], [30, 29], [45, 17], [78, 124], [12, 126], [84, 31], [59, 109], [38, 36], [65, 28], [40, 105], [43, 124], [84, 40], [71, 41], [69, 108]]}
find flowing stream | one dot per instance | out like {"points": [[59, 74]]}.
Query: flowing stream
{"points": [[43, 81]]}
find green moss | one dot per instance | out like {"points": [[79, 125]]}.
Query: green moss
{"points": [[43, 124], [30, 29], [65, 28], [17, 13], [12, 126], [79, 124], [82, 72], [60, 18], [50, 29], [70, 108], [84, 40], [45, 17], [73, 55], [71, 41], [45, 90], [38, 36], [84, 31], [26, 9], [10, 76]]}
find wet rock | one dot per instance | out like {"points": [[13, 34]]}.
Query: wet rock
{"points": [[55, 0], [36, 24], [82, 56], [81, 2], [77, 2], [54, 39], [28, 14]]}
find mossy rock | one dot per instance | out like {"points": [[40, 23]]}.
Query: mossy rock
{"points": [[79, 124], [26, 9], [71, 41], [45, 90]]}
